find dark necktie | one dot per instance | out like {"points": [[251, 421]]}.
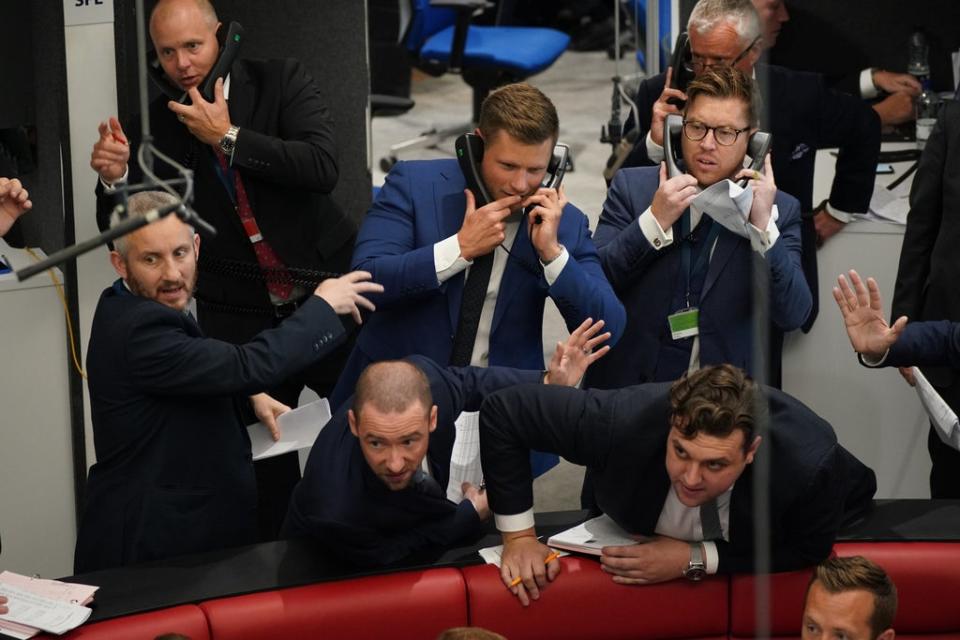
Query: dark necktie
{"points": [[710, 521], [474, 293]]}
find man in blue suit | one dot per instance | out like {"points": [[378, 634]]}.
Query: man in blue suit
{"points": [[426, 235], [685, 279], [174, 473]]}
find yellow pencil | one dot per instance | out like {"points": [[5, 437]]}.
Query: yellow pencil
{"points": [[550, 558]]}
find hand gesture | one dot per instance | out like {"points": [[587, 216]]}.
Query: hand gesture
{"points": [[658, 560], [571, 358], [523, 557], [863, 316], [543, 221], [267, 411], [764, 193], [673, 197], [14, 202], [661, 108], [111, 152], [482, 229], [207, 121], [345, 294], [478, 497]]}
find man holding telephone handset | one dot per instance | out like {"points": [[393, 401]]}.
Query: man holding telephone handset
{"points": [[467, 253], [678, 247]]}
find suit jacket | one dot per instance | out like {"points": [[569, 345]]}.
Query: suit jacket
{"points": [[621, 437], [422, 203], [286, 156], [348, 510], [929, 268], [174, 472], [647, 281], [935, 343]]}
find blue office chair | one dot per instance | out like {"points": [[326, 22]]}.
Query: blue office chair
{"points": [[442, 40]]}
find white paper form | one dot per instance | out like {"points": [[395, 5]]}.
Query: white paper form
{"points": [[299, 429], [465, 459], [593, 535], [941, 415], [46, 614]]}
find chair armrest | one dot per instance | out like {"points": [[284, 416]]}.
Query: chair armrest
{"points": [[465, 10]]}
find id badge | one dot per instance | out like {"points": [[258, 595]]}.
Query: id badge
{"points": [[684, 323]]}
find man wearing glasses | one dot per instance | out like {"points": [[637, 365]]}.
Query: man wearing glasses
{"points": [[686, 279], [801, 112]]}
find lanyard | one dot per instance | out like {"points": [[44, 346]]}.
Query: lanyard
{"points": [[703, 259]]}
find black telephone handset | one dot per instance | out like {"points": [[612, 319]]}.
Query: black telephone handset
{"points": [[757, 147], [229, 48], [680, 63], [469, 148]]}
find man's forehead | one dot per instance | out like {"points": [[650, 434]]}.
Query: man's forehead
{"points": [[709, 446], [710, 109]]}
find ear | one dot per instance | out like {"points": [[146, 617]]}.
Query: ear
{"points": [[196, 246], [752, 451], [478, 133], [119, 264], [352, 420], [887, 635], [433, 418]]}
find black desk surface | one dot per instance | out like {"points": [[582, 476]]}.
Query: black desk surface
{"points": [[292, 563]]}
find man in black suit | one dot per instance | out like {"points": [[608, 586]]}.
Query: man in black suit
{"points": [[174, 472], [801, 113], [673, 463], [267, 139], [375, 486]]}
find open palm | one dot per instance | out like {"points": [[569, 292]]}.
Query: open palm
{"points": [[862, 313]]}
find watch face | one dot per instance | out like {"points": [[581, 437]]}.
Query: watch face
{"points": [[694, 574]]}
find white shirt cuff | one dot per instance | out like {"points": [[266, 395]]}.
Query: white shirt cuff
{"points": [[111, 187], [870, 362], [655, 235], [710, 556], [654, 151], [516, 522], [552, 271], [837, 214], [762, 240], [446, 258], [868, 90]]}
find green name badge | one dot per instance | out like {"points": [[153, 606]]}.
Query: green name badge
{"points": [[684, 323]]}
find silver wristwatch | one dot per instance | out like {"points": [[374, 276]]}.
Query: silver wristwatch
{"points": [[697, 568], [229, 141]]}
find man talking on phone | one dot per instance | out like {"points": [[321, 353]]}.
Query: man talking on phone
{"points": [[465, 281], [262, 149], [679, 250]]}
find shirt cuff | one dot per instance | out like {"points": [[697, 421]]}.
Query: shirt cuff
{"points": [[552, 269], [838, 214], [868, 90], [711, 558], [516, 522], [446, 258], [655, 235], [867, 361], [654, 151], [762, 240], [111, 187]]}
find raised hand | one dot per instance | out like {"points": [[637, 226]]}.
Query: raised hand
{"points": [[571, 358], [764, 193], [673, 196], [14, 202], [662, 108], [862, 312], [482, 228], [207, 121], [345, 294], [543, 221], [111, 152]]}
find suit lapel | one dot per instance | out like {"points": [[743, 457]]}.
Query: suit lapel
{"points": [[726, 243], [449, 207], [243, 95], [521, 257]]}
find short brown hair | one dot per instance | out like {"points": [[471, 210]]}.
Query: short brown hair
{"points": [[469, 633], [715, 400], [856, 573], [521, 110], [392, 386], [723, 81]]}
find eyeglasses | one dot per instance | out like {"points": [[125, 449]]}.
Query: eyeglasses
{"points": [[698, 64], [697, 131]]}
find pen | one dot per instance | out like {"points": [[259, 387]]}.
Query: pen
{"points": [[550, 558]]}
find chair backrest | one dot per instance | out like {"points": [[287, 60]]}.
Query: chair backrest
{"points": [[426, 21]]}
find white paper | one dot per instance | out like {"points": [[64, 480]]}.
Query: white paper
{"points": [[494, 555], [42, 613], [298, 430], [941, 415], [593, 535], [890, 206], [465, 459]]}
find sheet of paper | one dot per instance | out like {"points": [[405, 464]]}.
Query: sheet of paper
{"points": [[494, 555], [465, 459], [46, 614], [941, 415], [298, 430], [592, 536], [890, 206], [64, 591]]}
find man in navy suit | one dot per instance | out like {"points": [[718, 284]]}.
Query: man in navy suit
{"points": [[801, 113], [673, 463], [426, 233], [375, 486], [671, 263], [174, 473]]}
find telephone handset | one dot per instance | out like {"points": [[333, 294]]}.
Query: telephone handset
{"points": [[680, 63], [757, 147], [469, 149], [229, 48]]}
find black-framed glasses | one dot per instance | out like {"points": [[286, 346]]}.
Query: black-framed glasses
{"points": [[698, 64], [697, 131]]}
